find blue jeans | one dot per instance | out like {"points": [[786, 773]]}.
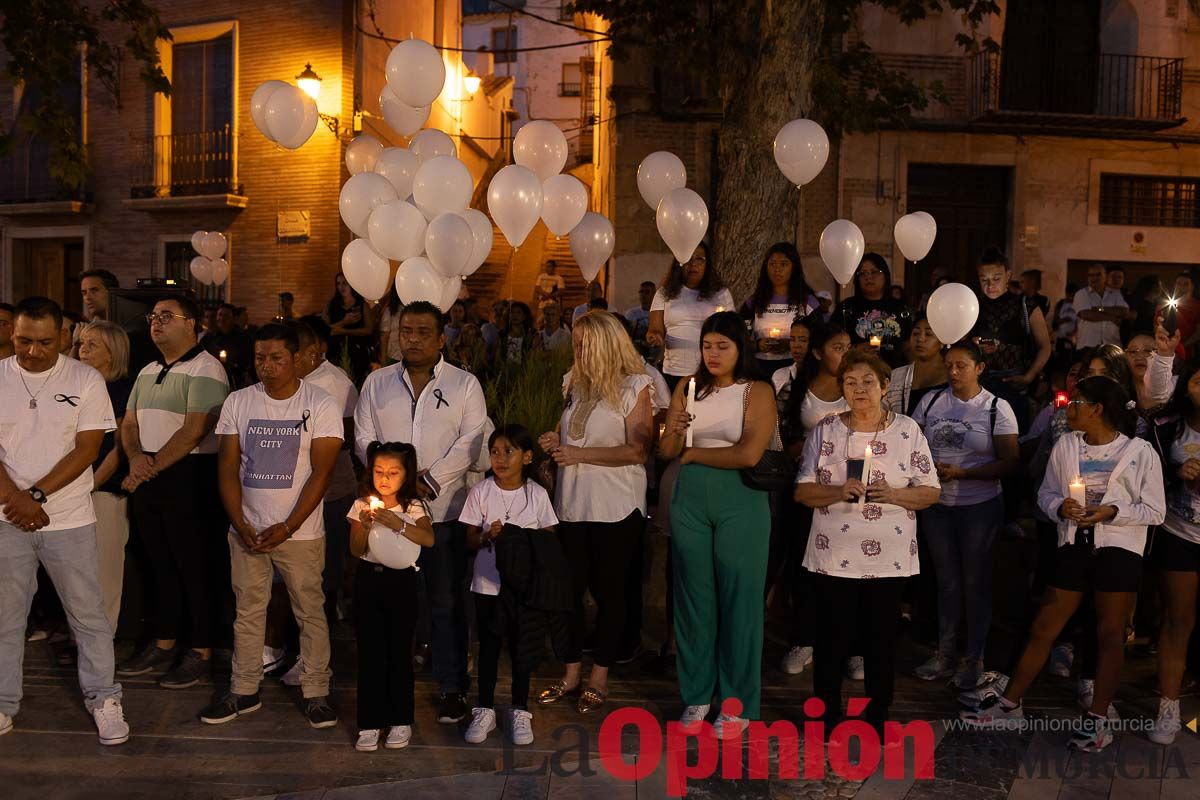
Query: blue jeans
{"points": [[69, 557], [960, 540], [444, 568]]}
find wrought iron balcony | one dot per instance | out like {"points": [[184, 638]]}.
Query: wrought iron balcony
{"points": [[185, 164], [569, 90]]}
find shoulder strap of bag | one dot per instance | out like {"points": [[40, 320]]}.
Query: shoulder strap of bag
{"points": [[933, 399], [776, 440]]}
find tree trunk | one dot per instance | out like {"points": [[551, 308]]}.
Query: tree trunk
{"points": [[764, 83]]}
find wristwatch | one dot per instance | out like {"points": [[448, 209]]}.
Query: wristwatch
{"points": [[37, 494]]}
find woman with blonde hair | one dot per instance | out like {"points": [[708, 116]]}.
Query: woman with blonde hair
{"points": [[600, 446], [104, 346]]}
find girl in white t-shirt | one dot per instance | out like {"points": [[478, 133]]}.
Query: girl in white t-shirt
{"points": [[385, 592], [690, 293], [506, 497]]}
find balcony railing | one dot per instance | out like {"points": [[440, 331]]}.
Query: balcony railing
{"points": [[25, 177], [569, 89], [1113, 90], [185, 164]]}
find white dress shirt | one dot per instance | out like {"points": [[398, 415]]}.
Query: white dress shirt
{"points": [[445, 425]]}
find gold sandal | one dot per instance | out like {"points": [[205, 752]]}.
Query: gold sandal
{"points": [[591, 700], [555, 692]]}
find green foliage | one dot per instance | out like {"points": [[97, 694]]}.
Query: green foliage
{"points": [[44, 40], [529, 393]]}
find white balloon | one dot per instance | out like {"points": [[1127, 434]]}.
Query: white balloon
{"points": [[801, 150], [914, 234], [258, 105], [212, 245], [842, 247], [291, 116], [396, 230], [450, 294], [399, 166], [197, 238], [362, 153], [481, 233], [416, 279], [564, 202], [592, 243], [365, 269], [658, 174], [415, 72], [403, 119], [442, 185], [392, 549], [952, 312], [541, 147], [682, 219], [201, 269], [431, 143], [220, 270], [448, 243], [515, 202], [360, 195]]}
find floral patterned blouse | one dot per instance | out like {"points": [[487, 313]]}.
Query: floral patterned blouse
{"points": [[865, 540]]}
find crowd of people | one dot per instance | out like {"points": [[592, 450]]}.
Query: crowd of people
{"points": [[840, 460]]}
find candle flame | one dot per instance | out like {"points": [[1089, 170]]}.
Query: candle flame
{"points": [[376, 503]]}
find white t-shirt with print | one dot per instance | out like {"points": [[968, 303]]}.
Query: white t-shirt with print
{"points": [[415, 511], [683, 316], [778, 317], [334, 381], [865, 540], [70, 397], [527, 507], [1096, 464], [1183, 502], [276, 441], [960, 433]]}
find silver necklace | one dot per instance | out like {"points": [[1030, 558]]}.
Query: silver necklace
{"points": [[33, 397], [508, 506]]}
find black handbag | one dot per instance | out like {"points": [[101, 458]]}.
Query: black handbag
{"points": [[775, 471]]}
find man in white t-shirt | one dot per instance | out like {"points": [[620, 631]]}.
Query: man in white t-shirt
{"points": [[54, 413], [548, 285], [1101, 309], [279, 440]]}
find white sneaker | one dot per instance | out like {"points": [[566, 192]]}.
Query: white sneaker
{"points": [[992, 684], [796, 660], [398, 737], [693, 714], [292, 676], [729, 726], [1165, 726], [854, 668], [992, 713], [6, 723], [483, 722], [1061, 659], [110, 722], [938, 666], [368, 741], [520, 726], [272, 656]]}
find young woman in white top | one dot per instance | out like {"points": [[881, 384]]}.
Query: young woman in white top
{"points": [[780, 297], [1100, 546], [690, 293], [720, 528], [823, 396], [926, 372], [863, 543], [972, 435], [600, 448], [385, 598], [506, 497]]}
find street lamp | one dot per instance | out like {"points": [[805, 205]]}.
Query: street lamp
{"points": [[310, 82], [471, 82]]}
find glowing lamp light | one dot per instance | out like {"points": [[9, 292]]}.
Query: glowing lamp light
{"points": [[309, 82], [471, 83]]}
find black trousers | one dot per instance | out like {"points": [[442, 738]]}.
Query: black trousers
{"points": [[182, 525], [490, 643], [385, 617], [856, 611], [790, 525], [600, 555]]}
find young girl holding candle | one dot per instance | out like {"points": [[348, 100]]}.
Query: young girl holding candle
{"points": [[390, 526], [1100, 546], [506, 497]]}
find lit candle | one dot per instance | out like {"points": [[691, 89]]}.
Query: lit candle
{"points": [[1078, 491], [876, 341], [690, 407], [775, 333], [719, 309], [376, 503], [866, 475], [222, 356]]}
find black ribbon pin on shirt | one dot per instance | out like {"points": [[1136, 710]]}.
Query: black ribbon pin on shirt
{"points": [[441, 400], [69, 399], [304, 418]]}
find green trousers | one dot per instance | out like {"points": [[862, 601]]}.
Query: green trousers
{"points": [[720, 534]]}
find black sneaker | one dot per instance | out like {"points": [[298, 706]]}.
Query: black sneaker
{"points": [[190, 671], [319, 713], [451, 708], [230, 707], [152, 659]]}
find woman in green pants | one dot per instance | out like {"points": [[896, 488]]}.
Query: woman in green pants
{"points": [[720, 529]]}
